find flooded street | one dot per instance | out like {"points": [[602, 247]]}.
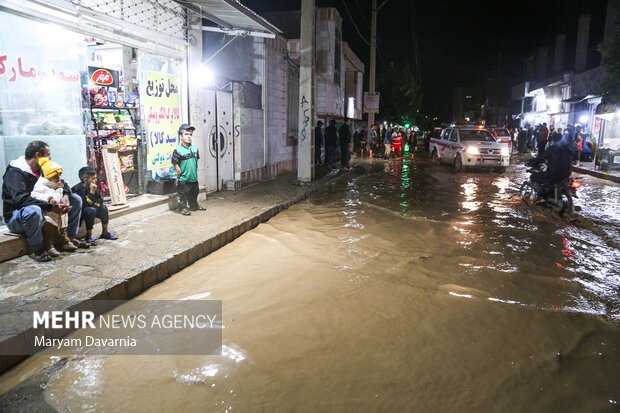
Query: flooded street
{"points": [[397, 287]]}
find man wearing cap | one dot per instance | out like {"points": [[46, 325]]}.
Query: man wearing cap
{"points": [[185, 161]]}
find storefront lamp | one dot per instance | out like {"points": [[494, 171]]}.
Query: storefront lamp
{"points": [[554, 105], [204, 76]]}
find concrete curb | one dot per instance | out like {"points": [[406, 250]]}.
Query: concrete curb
{"points": [[597, 174], [147, 278]]}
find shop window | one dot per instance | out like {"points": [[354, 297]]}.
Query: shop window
{"points": [[41, 67]]}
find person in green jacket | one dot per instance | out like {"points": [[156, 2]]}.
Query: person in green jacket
{"points": [[185, 162]]}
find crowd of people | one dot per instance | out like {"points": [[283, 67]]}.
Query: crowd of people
{"points": [[539, 137], [380, 141]]}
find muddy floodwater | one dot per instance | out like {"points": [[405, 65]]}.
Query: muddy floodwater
{"points": [[398, 287]]}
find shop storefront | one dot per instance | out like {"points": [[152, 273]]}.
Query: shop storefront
{"points": [[84, 95], [606, 128]]}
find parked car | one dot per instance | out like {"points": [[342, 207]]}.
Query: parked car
{"points": [[469, 146]]}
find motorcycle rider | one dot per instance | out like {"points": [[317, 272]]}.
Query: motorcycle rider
{"points": [[559, 160]]}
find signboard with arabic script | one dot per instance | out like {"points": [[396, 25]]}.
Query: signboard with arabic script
{"points": [[113, 172], [162, 111]]}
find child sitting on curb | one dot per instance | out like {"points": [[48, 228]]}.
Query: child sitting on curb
{"points": [[49, 188], [92, 205]]}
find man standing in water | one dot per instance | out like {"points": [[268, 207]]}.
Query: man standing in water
{"points": [[344, 133], [318, 142], [331, 140], [185, 161]]}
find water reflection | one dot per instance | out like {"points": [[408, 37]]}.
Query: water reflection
{"points": [[396, 269]]}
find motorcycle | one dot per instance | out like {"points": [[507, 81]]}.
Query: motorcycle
{"points": [[557, 196]]}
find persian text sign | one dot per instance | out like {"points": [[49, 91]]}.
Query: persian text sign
{"points": [[113, 172], [162, 109]]}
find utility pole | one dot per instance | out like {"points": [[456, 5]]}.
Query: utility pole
{"points": [[373, 54], [306, 93], [373, 58]]}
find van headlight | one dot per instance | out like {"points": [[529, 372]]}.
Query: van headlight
{"points": [[505, 152], [472, 150]]}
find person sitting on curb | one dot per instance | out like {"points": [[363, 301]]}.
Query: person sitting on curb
{"points": [[50, 188], [92, 205], [22, 213], [185, 162]]}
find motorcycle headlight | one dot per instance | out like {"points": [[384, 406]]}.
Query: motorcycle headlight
{"points": [[472, 150], [505, 152]]}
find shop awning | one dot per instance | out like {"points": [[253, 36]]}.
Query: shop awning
{"points": [[577, 99], [230, 15]]}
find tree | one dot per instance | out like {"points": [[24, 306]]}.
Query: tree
{"points": [[400, 95], [611, 64]]}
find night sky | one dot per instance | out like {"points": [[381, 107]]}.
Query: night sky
{"points": [[460, 43]]}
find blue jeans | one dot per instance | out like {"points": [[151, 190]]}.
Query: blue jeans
{"points": [[75, 213], [29, 222]]}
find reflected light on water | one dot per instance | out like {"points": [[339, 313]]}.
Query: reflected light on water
{"points": [[199, 375], [470, 192]]}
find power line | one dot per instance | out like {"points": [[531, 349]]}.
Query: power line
{"points": [[353, 21], [361, 13]]}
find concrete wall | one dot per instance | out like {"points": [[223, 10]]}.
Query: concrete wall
{"points": [[583, 33], [330, 95], [196, 108], [241, 60], [277, 101], [249, 143], [260, 101]]}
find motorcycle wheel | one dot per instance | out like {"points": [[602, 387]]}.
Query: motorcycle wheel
{"points": [[566, 202], [527, 192]]}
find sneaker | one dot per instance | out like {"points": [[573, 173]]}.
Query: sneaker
{"points": [[79, 243], [68, 247], [92, 241], [185, 212], [109, 235], [40, 256], [53, 252], [198, 208]]}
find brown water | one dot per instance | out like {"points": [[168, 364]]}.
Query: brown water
{"points": [[396, 288]]}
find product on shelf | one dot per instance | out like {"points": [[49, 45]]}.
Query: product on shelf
{"points": [[127, 164]]}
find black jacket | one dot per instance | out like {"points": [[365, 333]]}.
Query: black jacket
{"points": [[318, 137], [331, 136], [17, 185], [559, 158], [345, 135], [88, 200]]}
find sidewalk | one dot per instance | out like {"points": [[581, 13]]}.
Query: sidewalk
{"points": [[589, 168], [148, 251]]}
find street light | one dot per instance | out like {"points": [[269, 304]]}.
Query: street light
{"points": [[203, 75]]}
